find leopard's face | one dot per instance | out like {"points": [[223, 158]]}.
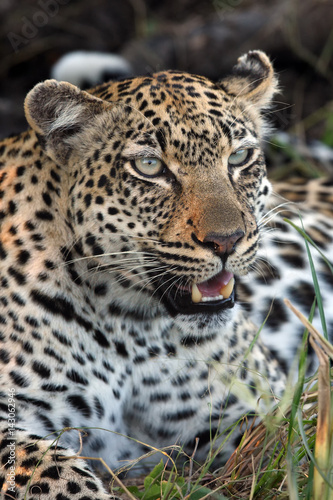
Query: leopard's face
{"points": [[166, 179]]}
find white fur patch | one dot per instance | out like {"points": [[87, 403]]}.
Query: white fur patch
{"points": [[69, 115], [78, 67]]}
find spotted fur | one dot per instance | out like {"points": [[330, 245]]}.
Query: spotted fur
{"points": [[97, 258]]}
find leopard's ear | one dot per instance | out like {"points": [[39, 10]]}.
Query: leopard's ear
{"points": [[58, 112], [252, 78]]}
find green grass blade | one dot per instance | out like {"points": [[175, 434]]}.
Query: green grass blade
{"points": [[310, 240], [316, 287], [306, 445], [301, 378]]}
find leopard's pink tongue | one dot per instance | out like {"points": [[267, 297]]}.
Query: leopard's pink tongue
{"points": [[217, 288]]}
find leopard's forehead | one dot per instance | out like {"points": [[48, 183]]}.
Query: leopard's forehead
{"points": [[184, 109], [167, 86]]}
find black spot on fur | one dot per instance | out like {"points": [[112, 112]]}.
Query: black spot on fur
{"points": [[160, 136], [23, 257], [82, 473], [54, 387], [53, 472], [121, 348], [18, 276], [44, 215], [79, 403], [91, 486], [35, 402], [302, 293], [179, 415], [56, 305], [74, 376], [41, 370], [62, 338], [4, 356], [278, 314], [46, 422], [101, 339], [73, 487], [295, 261], [18, 379]]}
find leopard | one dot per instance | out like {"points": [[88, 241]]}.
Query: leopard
{"points": [[141, 249]]}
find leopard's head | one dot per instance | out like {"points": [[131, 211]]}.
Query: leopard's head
{"points": [[166, 179]]}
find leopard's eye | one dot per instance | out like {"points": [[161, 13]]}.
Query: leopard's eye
{"points": [[240, 157], [149, 167]]}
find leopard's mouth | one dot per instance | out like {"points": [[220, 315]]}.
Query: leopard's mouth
{"points": [[210, 296]]}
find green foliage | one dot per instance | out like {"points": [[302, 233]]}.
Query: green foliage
{"points": [[328, 133], [159, 485]]}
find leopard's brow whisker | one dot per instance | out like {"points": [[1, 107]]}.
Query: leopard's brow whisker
{"points": [[118, 267]]}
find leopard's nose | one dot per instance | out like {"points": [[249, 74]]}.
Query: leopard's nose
{"points": [[223, 245]]}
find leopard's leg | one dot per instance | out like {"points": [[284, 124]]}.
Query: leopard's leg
{"points": [[33, 468]]}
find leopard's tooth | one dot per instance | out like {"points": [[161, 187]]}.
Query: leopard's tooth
{"points": [[196, 294], [226, 291]]}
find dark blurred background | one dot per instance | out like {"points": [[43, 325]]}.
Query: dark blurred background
{"points": [[204, 37]]}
